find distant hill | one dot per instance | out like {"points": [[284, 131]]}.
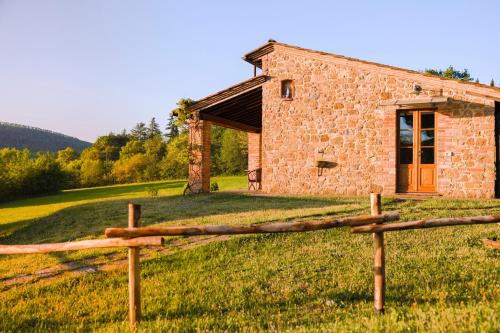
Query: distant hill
{"points": [[36, 139]]}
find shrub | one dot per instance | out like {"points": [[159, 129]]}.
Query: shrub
{"points": [[152, 192], [214, 186]]}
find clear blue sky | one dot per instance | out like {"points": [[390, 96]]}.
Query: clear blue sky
{"points": [[86, 68]]}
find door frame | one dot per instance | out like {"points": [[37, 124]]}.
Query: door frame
{"points": [[415, 152]]}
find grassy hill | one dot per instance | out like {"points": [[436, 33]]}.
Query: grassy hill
{"points": [[437, 280], [36, 139]]}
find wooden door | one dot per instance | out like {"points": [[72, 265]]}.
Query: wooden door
{"points": [[416, 170]]}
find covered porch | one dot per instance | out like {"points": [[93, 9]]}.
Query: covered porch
{"points": [[238, 107]]}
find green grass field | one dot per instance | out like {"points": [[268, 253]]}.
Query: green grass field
{"points": [[437, 279]]}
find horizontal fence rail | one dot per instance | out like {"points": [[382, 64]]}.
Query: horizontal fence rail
{"points": [[277, 227], [81, 245], [134, 237], [428, 223]]}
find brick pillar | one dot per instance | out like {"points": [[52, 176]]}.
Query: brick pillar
{"points": [[255, 152], [199, 155]]}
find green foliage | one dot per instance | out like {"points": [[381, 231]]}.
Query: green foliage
{"points": [[492, 83], [182, 112], [132, 148], [234, 152], [66, 156], [131, 169], [142, 155], [451, 73], [172, 130], [23, 175], [214, 186], [153, 129], [176, 161], [139, 132], [108, 146], [92, 172], [155, 149], [152, 192]]}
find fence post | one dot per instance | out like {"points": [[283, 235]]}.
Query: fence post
{"points": [[134, 269], [378, 244]]}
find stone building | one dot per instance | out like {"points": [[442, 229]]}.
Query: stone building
{"points": [[320, 123]]}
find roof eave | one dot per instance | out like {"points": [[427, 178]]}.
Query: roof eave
{"points": [[228, 93], [254, 57]]}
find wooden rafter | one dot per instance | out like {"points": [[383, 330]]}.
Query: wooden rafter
{"points": [[229, 123], [229, 93]]}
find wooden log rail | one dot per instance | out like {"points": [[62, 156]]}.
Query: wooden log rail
{"points": [[133, 244], [278, 227], [81, 245], [134, 237], [428, 223]]}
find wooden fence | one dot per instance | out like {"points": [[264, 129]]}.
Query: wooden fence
{"points": [[134, 237]]}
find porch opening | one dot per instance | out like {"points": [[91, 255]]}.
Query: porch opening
{"points": [[238, 108]]}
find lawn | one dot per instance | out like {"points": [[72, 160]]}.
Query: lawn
{"points": [[437, 279]]}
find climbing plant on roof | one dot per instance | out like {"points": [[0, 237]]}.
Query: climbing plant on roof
{"points": [[182, 112]]}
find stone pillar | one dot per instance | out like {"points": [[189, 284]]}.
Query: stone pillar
{"points": [[199, 155], [386, 172], [255, 152]]}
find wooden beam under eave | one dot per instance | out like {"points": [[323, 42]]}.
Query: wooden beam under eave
{"points": [[415, 101], [229, 123], [473, 93]]}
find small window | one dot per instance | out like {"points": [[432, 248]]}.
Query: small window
{"points": [[287, 89]]}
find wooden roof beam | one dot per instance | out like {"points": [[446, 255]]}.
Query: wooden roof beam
{"points": [[230, 123]]}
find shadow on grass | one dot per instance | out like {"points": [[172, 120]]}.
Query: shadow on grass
{"points": [[90, 220]]}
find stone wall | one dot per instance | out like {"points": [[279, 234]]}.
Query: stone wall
{"points": [[335, 116]]}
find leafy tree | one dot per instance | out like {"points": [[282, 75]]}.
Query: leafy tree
{"points": [[131, 169], [139, 132], [132, 148], [93, 172], [492, 83], [66, 155], [215, 150], [153, 129], [70, 164], [14, 168], [234, 157], [451, 73], [172, 130], [155, 149], [175, 163], [21, 175], [108, 146], [44, 176]]}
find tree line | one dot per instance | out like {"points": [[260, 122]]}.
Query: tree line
{"points": [[145, 153]]}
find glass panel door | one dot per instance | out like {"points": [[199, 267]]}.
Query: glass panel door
{"points": [[406, 152], [426, 170], [416, 151]]}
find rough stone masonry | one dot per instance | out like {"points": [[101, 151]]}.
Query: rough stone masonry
{"points": [[337, 114]]}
